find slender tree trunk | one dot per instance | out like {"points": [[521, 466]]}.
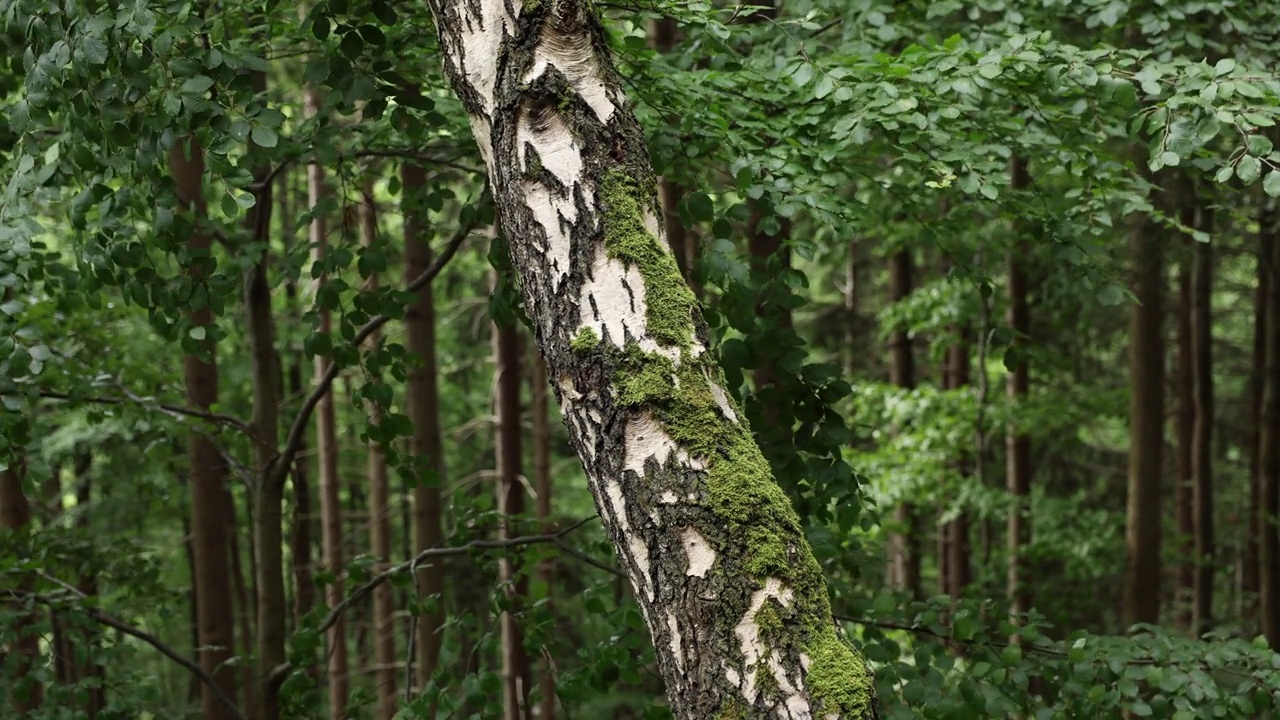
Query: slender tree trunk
{"points": [[662, 37], [682, 488], [516, 674], [26, 693], [852, 349], [268, 506], [959, 569], [1017, 442], [1146, 423], [244, 607], [384, 606], [1202, 448], [904, 542], [770, 256], [542, 486], [88, 584], [304, 598], [1184, 387], [1249, 576], [209, 496], [1269, 445], [327, 447], [424, 410]]}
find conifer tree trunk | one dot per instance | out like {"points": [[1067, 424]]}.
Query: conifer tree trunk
{"points": [[210, 500], [1202, 447], [384, 638], [542, 486], [26, 694], [327, 448], [904, 541], [682, 488], [424, 410], [516, 673], [1017, 442], [1146, 422]]}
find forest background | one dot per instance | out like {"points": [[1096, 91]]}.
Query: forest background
{"points": [[993, 283]]}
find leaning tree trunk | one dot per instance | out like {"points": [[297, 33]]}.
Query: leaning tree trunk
{"points": [[732, 594]]}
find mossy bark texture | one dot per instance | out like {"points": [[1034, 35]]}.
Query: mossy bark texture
{"points": [[730, 589]]}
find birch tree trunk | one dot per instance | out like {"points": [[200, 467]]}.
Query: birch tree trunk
{"points": [[734, 599]]}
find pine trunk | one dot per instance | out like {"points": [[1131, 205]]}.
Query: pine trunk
{"points": [[683, 490]]}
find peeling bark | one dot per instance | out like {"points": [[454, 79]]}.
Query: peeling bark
{"points": [[733, 597]]}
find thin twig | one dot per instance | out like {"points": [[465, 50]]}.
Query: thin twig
{"points": [[146, 637], [336, 613], [131, 399]]}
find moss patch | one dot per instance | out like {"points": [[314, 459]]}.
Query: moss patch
{"points": [[585, 341], [838, 676], [669, 303], [753, 511]]}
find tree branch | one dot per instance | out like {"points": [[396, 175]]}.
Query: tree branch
{"points": [[439, 552], [146, 637], [298, 429], [215, 418]]}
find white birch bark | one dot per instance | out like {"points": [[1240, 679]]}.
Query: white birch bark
{"points": [[733, 597]]}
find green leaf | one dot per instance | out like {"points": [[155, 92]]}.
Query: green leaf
{"points": [[824, 86], [197, 85], [802, 74], [264, 136], [990, 71], [1224, 66], [197, 332], [1248, 169], [1272, 184]]}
